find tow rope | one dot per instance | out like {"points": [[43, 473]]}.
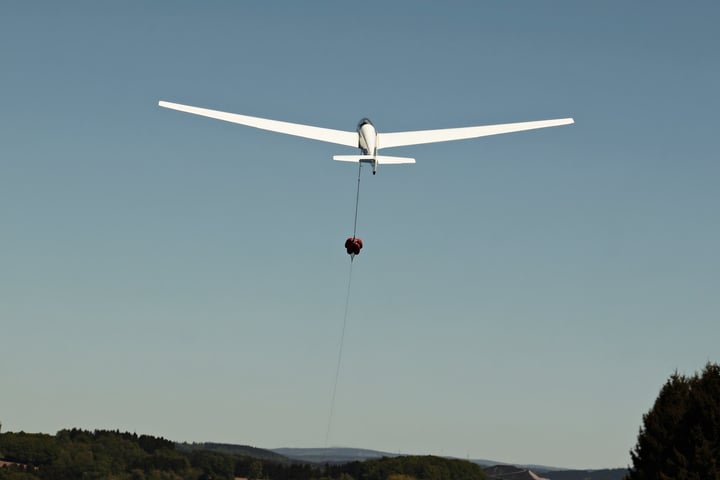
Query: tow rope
{"points": [[339, 357], [353, 246]]}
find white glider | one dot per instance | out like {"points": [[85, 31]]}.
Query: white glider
{"points": [[366, 138]]}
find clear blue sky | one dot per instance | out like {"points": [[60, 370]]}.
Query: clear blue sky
{"points": [[520, 297]]}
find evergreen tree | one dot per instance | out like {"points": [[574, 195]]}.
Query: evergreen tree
{"points": [[255, 471], [680, 436]]}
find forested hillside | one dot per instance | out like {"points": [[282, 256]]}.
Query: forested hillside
{"points": [[104, 454], [74, 454]]}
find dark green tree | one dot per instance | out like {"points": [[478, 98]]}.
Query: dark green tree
{"points": [[213, 464], [255, 471], [405, 467], [680, 436]]}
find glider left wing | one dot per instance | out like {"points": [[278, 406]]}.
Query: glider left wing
{"points": [[339, 137]]}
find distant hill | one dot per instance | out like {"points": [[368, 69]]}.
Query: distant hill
{"points": [[332, 454], [511, 472], [605, 474], [337, 455], [344, 454], [231, 449], [527, 466]]}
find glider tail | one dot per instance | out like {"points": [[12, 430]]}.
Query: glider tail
{"points": [[379, 159]]}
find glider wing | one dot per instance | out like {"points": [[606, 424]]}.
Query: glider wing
{"points": [[399, 139], [339, 137]]}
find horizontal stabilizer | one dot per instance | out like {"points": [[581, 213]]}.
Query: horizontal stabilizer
{"points": [[384, 159], [353, 158], [380, 159]]}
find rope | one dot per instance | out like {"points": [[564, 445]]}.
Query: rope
{"points": [[357, 199], [345, 316], [339, 359]]}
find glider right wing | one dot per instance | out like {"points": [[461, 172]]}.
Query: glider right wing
{"points": [[400, 139], [339, 137]]}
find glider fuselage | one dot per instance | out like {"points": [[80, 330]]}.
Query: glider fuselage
{"points": [[367, 137], [367, 140]]}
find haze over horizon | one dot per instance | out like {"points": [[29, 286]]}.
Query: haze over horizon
{"points": [[520, 297]]}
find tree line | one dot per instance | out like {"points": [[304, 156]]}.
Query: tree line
{"points": [[107, 454]]}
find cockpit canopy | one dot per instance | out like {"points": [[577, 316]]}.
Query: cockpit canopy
{"points": [[362, 122]]}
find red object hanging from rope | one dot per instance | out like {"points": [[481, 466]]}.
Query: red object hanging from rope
{"points": [[353, 245]]}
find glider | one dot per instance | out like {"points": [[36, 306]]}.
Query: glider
{"points": [[366, 138]]}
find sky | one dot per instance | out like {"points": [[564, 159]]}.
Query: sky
{"points": [[520, 298]]}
